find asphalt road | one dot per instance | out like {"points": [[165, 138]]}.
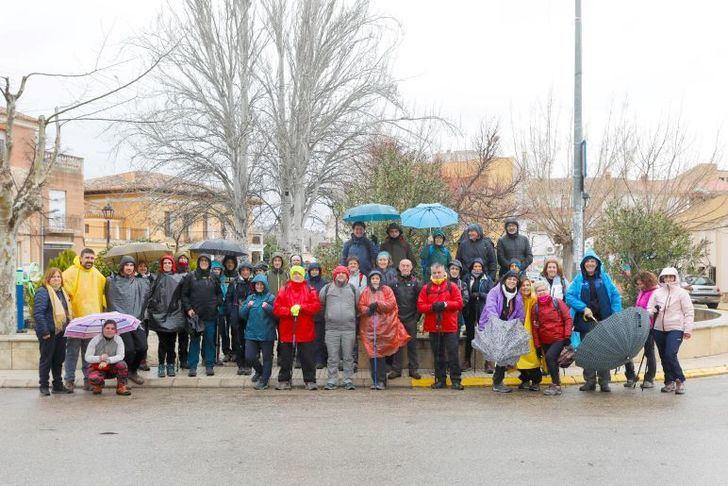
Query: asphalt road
{"points": [[418, 437]]}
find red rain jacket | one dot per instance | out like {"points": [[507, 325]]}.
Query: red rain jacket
{"points": [[551, 325], [447, 292], [304, 295]]}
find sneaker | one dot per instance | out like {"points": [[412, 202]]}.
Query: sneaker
{"points": [[629, 383], [646, 385], [227, 358], [588, 386], [501, 388], [349, 385], [86, 385], [668, 388], [261, 386], [604, 387], [524, 385], [552, 390], [70, 385], [209, 371], [240, 371], [535, 387], [255, 377], [394, 374], [381, 386], [456, 385], [136, 378], [283, 385], [192, 373], [679, 387], [415, 375], [466, 366], [330, 386], [170, 371], [247, 371], [311, 386], [44, 391], [438, 385], [161, 371], [56, 390], [490, 371]]}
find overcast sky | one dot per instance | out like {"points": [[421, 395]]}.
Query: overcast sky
{"points": [[466, 59]]}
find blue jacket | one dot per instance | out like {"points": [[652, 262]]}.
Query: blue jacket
{"points": [[43, 312], [261, 325], [577, 296], [364, 249]]}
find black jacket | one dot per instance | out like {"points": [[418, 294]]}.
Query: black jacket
{"points": [[406, 291], [201, 292], [238, 291], [513, 246], [482, 248]]}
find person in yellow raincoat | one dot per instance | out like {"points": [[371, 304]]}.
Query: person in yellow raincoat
{"points": [[84, 285], [529, 364]]}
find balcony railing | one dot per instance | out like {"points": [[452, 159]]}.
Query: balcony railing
{"points": [[68, 162], [63, 223]]}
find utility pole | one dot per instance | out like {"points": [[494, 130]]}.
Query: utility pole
{"points": [[579, 152]]}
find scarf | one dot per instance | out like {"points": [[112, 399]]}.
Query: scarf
{"points": [[437, 281], [60, 315]]}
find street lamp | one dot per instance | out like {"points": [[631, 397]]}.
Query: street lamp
{"points": [[108, 213]]}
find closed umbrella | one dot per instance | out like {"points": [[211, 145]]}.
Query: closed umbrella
{"points": [[502, 342], [89, 326], [614, 340], [429, 216], [370, 212], [219, 247], [148, 252]]}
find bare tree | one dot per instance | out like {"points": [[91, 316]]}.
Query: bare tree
{"points": [[327, 90], [198, 121]]}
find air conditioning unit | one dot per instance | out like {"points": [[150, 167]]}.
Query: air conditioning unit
{"points": [[550, 250]]}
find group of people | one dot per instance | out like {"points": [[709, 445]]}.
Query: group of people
{"points": [[248, 314]]}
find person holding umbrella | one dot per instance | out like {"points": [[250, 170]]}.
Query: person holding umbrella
{"points": [[441, 302], [166, 317], [295, 306], [593, 297], [513, 246], [552, 326], [479, 284], [361, 247], [506, 303], [129, 294], [260, 330], [397, 246], [85, 286], [435, 252], [201, 297], [674, 314], [474, 244], [105, 353], [52, 313]]}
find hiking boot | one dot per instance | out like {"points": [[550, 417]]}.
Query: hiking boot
{"points": [[394, 374], [283, 385], [588, 386], [44, 391], [415, 375], [86, 385], [60, 390], [255, 377], [161, 371], [170, 371], [629, 383], [501, 388], [646, 385], [240, 371], [534, 387], [297, 364], [69, 384], [466, 366], [209, 371], [192, 373], [311, 386], [679, 387], [247, 371], [490, 371], [96, 389], [381, 386], [552, 390], [261, 386], [604, 387], [668, 388], [143, 365], [121, 389], [524, 385], [438, 385], [349, 385], [456, 385], [227, 358], [330, 386], [184, 366], [136, 378]]}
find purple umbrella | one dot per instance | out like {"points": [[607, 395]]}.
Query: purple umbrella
{"points": [[89, 326]]}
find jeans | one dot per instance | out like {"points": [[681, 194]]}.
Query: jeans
{"points": [[551, 353], [52, 354], [252, 349], [340, 346], [445, 352], [304, 351], [378, 370], [413, 362], [194, 355], [321, 353], [651, 369], [74, 346], [668, 344], [592, 376], [165, 352], [135, 348]]}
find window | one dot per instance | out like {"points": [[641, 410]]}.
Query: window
{"points": [[86, 228], [56, 209], [256, 240]]}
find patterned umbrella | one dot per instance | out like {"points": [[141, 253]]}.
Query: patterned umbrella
{"points": [[502, 342], [614, 340], [89, 326]]}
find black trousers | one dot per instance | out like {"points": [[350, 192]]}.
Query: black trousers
{"points": [[238, 341], [52, 355], [445, 352], [183, 347], [499, 375], [414, 364], [135, 348], [305, 352], [530, 374], [551, 353], [381, 370], [321, 355], [165, 352], [225, 324], [651, 359]]}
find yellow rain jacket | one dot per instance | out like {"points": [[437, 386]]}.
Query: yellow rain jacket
{"points": [[85, 289], [529, 360]]}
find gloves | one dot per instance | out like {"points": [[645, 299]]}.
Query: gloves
{"points": [[567, 342], [438, 306], [372, 308], [250, 304], [264, 305], [295, 310], [539, 353]]}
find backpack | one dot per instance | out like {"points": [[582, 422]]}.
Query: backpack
{"points": [[567, 354], [328, 285]]}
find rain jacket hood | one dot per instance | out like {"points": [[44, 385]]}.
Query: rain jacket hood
{"points": [[230, 273], [439, 232], [262, 279], [590, 253], [476, 227], [511, 221], [85, 288], [669, 271], [260, 323]]}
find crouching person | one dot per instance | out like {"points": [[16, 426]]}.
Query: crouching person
{"points": [[552, 326], [105, 355], [260, 331]]}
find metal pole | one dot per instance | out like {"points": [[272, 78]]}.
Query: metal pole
{"points": [[578, 194]]}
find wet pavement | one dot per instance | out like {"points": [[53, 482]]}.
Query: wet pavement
{"points": [[399, 436]]}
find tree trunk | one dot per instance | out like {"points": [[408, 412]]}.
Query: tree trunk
{"points": [[8, 260], [567, 254]]}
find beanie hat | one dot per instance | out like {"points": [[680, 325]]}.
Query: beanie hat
{"points": [[297, 269], [341, 269]]}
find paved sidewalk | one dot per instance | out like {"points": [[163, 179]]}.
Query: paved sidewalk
{"points": [[226, 377]]}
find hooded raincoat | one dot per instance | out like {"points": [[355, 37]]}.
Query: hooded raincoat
{"points": [[258, 311], [277, 278], [85, 288], [481, 247], [676, 311], [165, 305], [296, 293], [512, 246], [433, 253], [581, 292], [384, 323], [128, 295], [529, 360], [398, 248]]}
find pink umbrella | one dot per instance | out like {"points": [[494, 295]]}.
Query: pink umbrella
{"points": [[89, 326]]}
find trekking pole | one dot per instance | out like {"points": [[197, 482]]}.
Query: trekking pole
{"points": [[374, 324], [637, 377], [438, 322], [293, 344]]}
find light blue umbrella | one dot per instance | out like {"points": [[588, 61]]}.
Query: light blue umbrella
{"points": [[429, 216], [370, 212]]}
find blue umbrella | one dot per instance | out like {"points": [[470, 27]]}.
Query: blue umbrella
{"points": [[370, 212], [429, 216]]}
